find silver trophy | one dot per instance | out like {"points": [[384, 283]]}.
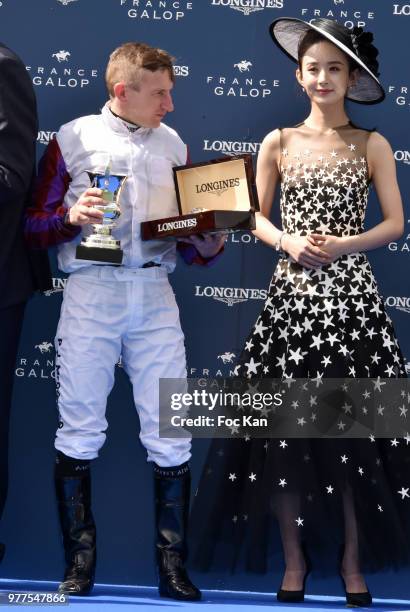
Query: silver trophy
{"points": [[101, 245]]}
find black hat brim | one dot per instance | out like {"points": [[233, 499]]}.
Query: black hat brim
{"points": [[287, 33]]}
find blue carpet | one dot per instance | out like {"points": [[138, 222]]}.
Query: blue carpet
{"points": [[126, 598]]}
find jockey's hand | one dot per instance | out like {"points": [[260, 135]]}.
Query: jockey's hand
{"points": [[207, 245], [84, 212]]}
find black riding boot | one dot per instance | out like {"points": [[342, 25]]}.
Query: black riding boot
{"points": [[73, 489], [172, 488]]}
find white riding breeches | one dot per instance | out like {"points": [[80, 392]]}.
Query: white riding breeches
{"points": [[109, 312]]}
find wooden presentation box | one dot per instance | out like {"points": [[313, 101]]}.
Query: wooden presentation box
{"points": [[213, 196]]}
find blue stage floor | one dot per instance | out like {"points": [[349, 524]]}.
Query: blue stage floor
{"points": [[123, 598]]}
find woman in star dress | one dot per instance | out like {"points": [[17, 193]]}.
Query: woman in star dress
{"points": [[323, 318]]}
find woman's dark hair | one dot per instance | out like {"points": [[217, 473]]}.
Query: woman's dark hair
{"points": [[311, 38]]}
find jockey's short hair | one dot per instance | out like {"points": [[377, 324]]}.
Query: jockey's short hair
{"points": [[126, 61]]}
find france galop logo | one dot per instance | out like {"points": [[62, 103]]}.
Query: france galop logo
{"points": [[44, 347], [243, 66], [61, 56]]}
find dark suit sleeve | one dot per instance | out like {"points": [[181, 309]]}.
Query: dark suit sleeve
{"points": [[18, 129]]}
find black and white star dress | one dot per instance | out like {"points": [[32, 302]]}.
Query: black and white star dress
{"points": [[328, 322]]}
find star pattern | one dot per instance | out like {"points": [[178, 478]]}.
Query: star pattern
{"points": [[326, 315], [325, 323]]}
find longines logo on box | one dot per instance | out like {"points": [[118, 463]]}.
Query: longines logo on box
{"points": [[400, 94], [402, 156], [157, 10], [231, 147], [59, 73], [242, 82], [246, 7], [350, 18], [58, 286], [401, 303], [401, 9], [66, 2], [217, 187], [44, 136], [230, 295], [39, 364], [173, 225]]}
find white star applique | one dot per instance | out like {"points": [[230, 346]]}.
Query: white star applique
{"points": [[296, 356], [260, 328], [252, 366]]}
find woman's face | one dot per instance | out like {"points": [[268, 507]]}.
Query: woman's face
{"points": [[325, 73]]}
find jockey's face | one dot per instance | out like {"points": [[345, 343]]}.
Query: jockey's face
{"points": [[148, 104]]}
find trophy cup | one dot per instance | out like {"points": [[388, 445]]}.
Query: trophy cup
{"points": [[100, 245]]}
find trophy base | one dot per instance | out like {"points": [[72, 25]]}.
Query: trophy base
{"points": [[100, 254], [199, 223]]}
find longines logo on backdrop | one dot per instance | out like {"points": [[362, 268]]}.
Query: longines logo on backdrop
{"points": [[181, 71], [157, 10], [400, 94], [246, 7], [401, 9], [400, 303], [59, 72], [230, 295], [231, 147], [66, 2], [44, 136], [58, 286], [39, 364], [402, 156], [241, 82], [349, 17]]}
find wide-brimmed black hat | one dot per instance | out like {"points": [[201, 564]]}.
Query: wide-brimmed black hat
{"points": [[287, 32]]}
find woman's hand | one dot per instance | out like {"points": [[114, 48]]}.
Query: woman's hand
{"points": [[305, 251], [333, 246]]}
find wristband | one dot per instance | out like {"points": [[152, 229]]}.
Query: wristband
{"points": [[278, 244], [67, 218]]}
